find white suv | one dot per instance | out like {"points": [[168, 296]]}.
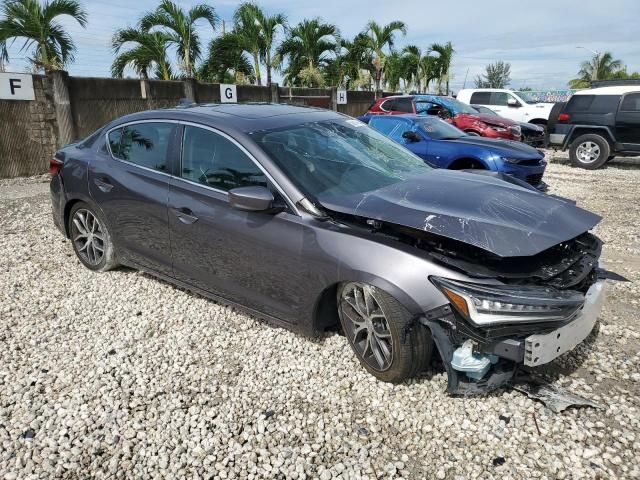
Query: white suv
{"points": [[517, 106]]}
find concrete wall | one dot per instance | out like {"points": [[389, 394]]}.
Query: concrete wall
{"points": [[31, 131], [28, 132]]}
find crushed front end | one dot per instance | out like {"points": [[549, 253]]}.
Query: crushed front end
{"points": [[516, 312]]}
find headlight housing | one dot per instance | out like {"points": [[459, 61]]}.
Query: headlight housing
{"points": [[495, 304]]}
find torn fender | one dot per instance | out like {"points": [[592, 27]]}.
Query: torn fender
{"points": [[499, 217]]}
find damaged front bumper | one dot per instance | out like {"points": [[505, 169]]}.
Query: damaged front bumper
{"points": [[508, 347]]}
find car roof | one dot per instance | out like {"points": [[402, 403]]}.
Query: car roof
{"points": [[239, 116], [615, 90]]}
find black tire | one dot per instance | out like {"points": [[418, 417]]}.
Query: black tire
{"points": [[91, 236], [411, 341], [611, 157], [578, 151]]}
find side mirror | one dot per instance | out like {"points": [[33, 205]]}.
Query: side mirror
{"points": [[512, 102], [411, 136], [251, 199]]}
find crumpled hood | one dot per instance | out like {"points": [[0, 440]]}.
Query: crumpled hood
{"points": [[506, 148], [488, 213]]}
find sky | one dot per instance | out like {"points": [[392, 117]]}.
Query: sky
{"points": [[544, 41]]}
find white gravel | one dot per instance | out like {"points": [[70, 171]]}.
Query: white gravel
{"points": [[119, 375]]}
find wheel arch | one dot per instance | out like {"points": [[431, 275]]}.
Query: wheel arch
{"points": [[539, 121], [580, 130], [69, 205], [325, 311]]}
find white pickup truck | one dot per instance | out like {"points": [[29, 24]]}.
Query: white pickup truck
{"points": [[517, 106]]}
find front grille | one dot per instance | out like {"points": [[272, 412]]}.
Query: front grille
{"points": [[534, 179]]}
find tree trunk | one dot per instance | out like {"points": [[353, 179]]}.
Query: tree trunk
{"points": [[256, 66], [268, 67]]}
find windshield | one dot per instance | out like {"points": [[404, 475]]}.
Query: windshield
{"points": [[527, 97], [337, 157], [440, 130], [455, 106]]}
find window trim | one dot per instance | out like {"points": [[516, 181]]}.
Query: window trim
{"points": [[280, 190]]}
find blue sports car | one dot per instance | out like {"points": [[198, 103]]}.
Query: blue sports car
{"points": [[445, 146]]}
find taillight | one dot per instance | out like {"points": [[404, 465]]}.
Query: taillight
{"points": [[564, 117], [55, 165]]}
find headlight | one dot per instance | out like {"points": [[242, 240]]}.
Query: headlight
{"points": [[512, 160], [490, 304]]}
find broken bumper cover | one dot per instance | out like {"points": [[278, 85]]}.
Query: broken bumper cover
{"points": [[543, 348], [515, 345]]}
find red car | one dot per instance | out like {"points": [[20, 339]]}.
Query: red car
{"points": [[463, 116]]}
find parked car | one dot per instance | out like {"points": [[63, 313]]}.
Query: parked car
{"points": [[446, 146], [308, 218], [517, 106], [532, 134], [598, 124], [461, 115]]}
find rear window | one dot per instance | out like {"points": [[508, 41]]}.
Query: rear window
{"points": [[593, 103]]}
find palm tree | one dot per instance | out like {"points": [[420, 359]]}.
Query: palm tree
{"points": [[247, 30], [445, 56], [149, 52], [180, 25], [37, 24], [380, 37], [308, 47], [600, 67], [226, 62], [256, 33], [269, 25], [395, 70]]}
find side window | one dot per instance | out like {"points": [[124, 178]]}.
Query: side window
{"points": [[145, 144], [404, 105], [481, 98], [579, 103], [499, 98], [388, 105], [631, 103], [384, 124], [213, 160], [396, 128], [115, 137]]}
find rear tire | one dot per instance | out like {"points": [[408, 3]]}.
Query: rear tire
{"points": [[589, 151], [90, 237], [383, 334]]}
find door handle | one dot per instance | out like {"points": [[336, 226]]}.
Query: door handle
{"points": [[103, 185], [185, 215]]}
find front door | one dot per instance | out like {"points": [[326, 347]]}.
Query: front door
{"points": [[246, 257], [129, 181], [628, 122]]}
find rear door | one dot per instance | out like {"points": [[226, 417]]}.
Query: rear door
{"points": [[129, 180], [252, 258], [628, 121]]}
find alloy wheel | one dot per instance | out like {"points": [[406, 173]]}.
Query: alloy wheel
{"points": [[366, 325], [588, 152], [88, 236]]}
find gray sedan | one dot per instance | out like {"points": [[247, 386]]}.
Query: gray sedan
{"points": [[308, 219]]}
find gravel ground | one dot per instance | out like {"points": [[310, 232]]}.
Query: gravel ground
{"points": [[119, 375]]}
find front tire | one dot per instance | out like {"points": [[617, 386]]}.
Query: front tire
{"points": [[90, 237], [382, 333], [589, 151]]}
